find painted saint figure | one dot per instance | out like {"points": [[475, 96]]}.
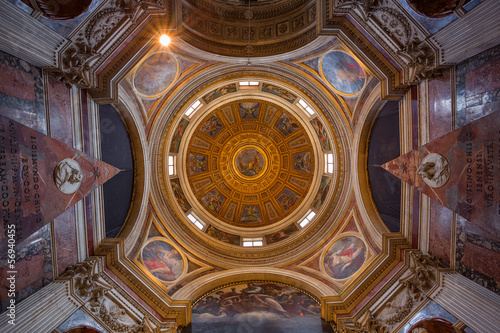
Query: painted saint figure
{"points": [[162, 260], [345, 257]]}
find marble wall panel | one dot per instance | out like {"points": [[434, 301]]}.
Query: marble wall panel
{"points": [[440, 111], [33, 267], [21, 92], [65, 240], [59, 101], [440, 232], [477, 256], [478, 86]]}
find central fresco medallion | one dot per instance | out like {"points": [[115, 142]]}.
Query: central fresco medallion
{"points": [[249, 163]]}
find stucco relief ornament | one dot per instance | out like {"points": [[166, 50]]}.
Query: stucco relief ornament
{"points": [[68, 176], [435, 170]]}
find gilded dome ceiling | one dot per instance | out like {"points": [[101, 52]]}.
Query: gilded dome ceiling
{"points": [[250, 163], [233, 28], [238, 165]]}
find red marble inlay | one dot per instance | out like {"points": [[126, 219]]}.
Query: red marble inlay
{"points": [[440, 116], [65, 236], [60, 115], [473, 189], [17, 83], [351, 226], [483, 260], [483, 79], [30, 197], [440, 232]]}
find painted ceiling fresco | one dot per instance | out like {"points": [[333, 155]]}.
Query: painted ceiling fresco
{"points": [[250, 163], [256, 306]]}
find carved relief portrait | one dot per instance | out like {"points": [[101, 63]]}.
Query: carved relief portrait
{"points": [[68, 176], [435, 170]]}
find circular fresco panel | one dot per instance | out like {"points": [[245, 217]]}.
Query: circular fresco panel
{"points": [[250, 162], [162, 260], [343, 72], [345, 257], [156, 74]]}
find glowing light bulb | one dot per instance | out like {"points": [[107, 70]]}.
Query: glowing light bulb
{"points": [[164, 40]]}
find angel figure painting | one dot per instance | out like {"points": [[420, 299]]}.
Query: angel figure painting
{"points": [[227, 89], [250, 162], [302, 162], [286, 125], [287, 199], [249, 111], [272, 89], [213, 200], [197, 163], [321, 132], [177, 137], [162, 260], [345, 257], [256, 307], [251, 214], [212, 126]]}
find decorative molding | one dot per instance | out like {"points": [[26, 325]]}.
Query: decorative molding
{"points": [[155, 295], [113, 307], [27, 38], [397, 299], [473, 304], [94, 42], [393, 29], [224, 30]]}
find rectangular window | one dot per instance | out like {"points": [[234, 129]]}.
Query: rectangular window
{"points": [[200, 225], [171, 165], [306, 107], [329, 163], [193, 108], [307, 219], [249, 242]]}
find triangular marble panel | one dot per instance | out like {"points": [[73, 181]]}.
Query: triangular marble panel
{"points": [[30, 197], [472, 189]]}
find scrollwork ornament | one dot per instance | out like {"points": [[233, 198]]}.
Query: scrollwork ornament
{"points": [[111, 316], [76, 64], [85, 281], [368, 324]]}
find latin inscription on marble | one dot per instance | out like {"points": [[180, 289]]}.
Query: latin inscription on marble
{"points": [[28, 192], [473, 187]]}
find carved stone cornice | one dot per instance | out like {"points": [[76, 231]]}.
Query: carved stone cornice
{"points": [[397, 299], [109, 303], [393, 29], [85, 279], [259, 12], [94, 42], [226, 30]]}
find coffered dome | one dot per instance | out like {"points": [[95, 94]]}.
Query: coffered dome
{"points": [[239, 29], [250, 163]]}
